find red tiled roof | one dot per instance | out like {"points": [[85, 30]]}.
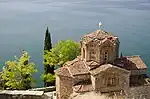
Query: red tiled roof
{"points": [[72, 68], [99, 35], [104, 67], [63, 71], [83, 88], [136, 62], [92, 64], [78, 67], [131, 63], [73, 61]]}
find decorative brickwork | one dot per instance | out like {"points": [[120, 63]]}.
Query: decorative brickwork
{"points": [[99, 68]]}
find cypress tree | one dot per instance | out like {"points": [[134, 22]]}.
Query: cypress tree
{"points": [[121, 55], [48, 47], [47, 42]]}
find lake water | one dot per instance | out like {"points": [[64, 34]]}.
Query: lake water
{"points": [[23, 24]]}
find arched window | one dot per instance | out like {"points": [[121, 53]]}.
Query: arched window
{"points": [[92, 54], [83, 53], [112, 81]]}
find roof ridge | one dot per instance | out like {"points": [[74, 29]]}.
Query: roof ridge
{"points": [[62, 71], [119, 68], [105, 67], [93, 62], [69, 71], [98, 35], [132, 56], [73, 61], [86, 65]]}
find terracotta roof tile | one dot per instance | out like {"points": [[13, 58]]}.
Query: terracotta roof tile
{"points": [[136, 62], [78, 68], [122, 62], [72, 68], [100, 69], [63, 71], [83, 88], [92, 64], [131, 63], [99, 35], [73, 61], [104, 67]]}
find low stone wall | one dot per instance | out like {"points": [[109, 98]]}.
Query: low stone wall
{"points": [[35, 93], [7, 94], [45, 89]]}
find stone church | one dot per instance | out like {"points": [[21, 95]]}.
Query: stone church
{"points": [[100, 68]]}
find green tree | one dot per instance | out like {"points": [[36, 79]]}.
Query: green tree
{"points": [[65, 50], [48, 70], [17, 74], [47, 42]]}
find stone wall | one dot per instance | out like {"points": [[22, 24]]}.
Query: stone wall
{"points": [[45, 89], [138, 72], [65, 88], [111, 80], [7, 94]]}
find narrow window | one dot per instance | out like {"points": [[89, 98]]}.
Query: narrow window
{"points": [[112, 81], [91, 45], [83, 53], [105, 56], [93, 52]]}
